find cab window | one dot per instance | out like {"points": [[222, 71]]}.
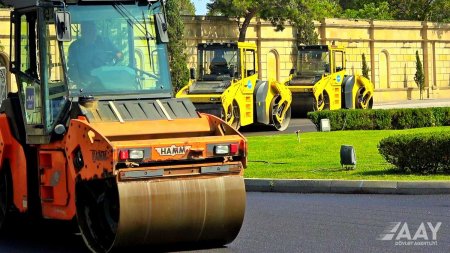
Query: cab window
{"points": [[249, 62]]}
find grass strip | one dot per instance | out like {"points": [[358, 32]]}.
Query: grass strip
{"points": [[317, 156]]}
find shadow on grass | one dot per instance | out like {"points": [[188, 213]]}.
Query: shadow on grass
{"points": [[390, 171], [396, 172], [327, 170], [266, 162]]}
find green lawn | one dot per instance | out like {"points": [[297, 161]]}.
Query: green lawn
{"points": [[317, 156]]}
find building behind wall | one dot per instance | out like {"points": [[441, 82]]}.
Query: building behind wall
{"points": [[389, 46]]}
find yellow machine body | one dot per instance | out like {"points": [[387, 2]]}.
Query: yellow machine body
{"points": [[321, 82], [230, 88]]}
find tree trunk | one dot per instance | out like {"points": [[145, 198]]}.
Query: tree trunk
{"points": [[243, 29]]}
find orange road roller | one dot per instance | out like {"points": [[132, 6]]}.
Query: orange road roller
{"points": [[92, 132]]}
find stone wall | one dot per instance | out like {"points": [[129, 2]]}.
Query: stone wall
{"points": [[389, 46]]}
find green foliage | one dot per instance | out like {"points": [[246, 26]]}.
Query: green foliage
{"points": [[419, 77], [365, 68], [418, 153], [421, 10], [306, 34], [383, 119], [178, 58], [441, 116], [186, 7], [371, 10], [298, 13], [357, 4], [440, 11]]}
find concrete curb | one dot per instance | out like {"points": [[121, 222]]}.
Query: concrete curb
{"points": [[347, 186]]}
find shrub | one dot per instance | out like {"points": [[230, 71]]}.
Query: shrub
{"points": [[441, 116], [418, 153], [383, 119]]}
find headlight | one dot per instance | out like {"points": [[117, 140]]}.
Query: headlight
{"points": [[136, 154], [221, 149], [226, 149]]}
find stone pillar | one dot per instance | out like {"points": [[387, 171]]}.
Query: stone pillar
{"points": [[425, 58], [258, 47], [372, 52], [323, 32], [199, 21]]}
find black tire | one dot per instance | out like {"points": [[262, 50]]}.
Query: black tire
{"points": [[233, 117], [5, 198], [275, 110], [325, 100], [97, 204], [360, 99]]}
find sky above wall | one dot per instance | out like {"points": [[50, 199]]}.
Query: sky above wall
{"points": [[200, 6]]}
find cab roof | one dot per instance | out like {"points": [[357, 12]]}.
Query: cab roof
{"points": [[320, 47], [217, 45], [232, 45], [31, 3]]}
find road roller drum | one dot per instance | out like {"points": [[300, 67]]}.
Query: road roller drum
{"points": [[163, 212]]}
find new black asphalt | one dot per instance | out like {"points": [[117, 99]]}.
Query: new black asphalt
{"points": [[287, 222]]}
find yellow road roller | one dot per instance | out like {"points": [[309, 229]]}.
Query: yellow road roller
{"points": [[320, 81], [92, 132], [226, 84]]}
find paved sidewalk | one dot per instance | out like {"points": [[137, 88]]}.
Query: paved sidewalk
{"points": [[347, 186], [413, 104]]}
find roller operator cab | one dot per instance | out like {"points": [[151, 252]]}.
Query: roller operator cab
{"points": [[321, 82], [94, 135], [225, 83]]}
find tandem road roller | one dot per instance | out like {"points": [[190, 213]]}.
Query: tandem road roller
{"points": [[93, 134], [226, 84], [321, 82]]}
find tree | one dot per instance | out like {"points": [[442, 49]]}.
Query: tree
{"points": [[371, 10], [365, 68], [317, 10], [278, 12], [186, 7], [357, 4], [440, 11], [420, 10], [419, 77], [177, 46], [412, 9]]}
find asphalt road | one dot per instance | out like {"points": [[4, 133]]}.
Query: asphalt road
{"points": [[302, 124], [277, 222]]}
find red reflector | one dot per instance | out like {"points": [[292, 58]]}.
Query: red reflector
{"points": [[234, 148], [123, 154]]}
